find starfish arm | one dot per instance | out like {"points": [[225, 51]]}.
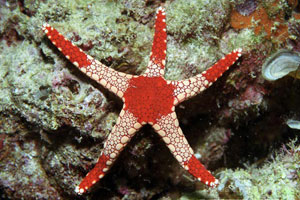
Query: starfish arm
{"points": [[158, 54], [168, 128], [188, 88], [121, 134], [116, 82]]}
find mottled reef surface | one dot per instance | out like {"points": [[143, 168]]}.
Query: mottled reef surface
{"points": [[54, 120]]}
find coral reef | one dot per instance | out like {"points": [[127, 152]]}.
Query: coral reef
{"points": [[276, 178], [267, 18], [53, 119], [247, 7]]}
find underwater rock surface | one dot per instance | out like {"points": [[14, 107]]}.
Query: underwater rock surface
{"points": [[54, 120]]}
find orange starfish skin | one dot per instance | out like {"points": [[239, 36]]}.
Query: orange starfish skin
{"points": [[148, 99]]}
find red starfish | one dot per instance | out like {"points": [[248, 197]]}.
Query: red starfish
{"points": [[148, 98]]}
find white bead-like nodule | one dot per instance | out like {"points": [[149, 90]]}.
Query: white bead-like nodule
{"points": [[79, 190]]}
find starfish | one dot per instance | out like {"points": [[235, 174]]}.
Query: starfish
{"points": [[148, 99]]}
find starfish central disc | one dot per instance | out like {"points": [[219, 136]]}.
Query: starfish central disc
{"points": [[149, 98]]}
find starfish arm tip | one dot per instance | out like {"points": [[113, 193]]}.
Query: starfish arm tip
{"points": [[216, 183], [198, 170], [45, 27], [158, 54], [112, 147], [213, 184], [160, 8], [79, 190], [238, 51]]}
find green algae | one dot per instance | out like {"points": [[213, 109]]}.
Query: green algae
{"points": [[277, 178], [194, 35], [110, 33], [22, 78], [23, 174], [245, 38], [27, 90]]}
